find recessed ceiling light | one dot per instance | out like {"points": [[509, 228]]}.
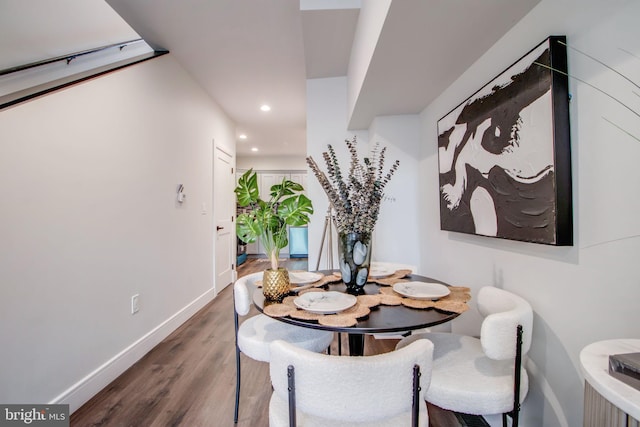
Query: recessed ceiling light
{"points": [[265, 107], [242, 136], [254, 149]]}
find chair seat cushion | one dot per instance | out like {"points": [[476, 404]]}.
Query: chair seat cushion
{"points": [[257, 332], [465, 380], [279, 417]]}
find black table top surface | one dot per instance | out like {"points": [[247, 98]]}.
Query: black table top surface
{"points": [[383, 318]]}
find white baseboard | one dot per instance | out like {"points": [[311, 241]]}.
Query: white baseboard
{"points": [[79, 393]]}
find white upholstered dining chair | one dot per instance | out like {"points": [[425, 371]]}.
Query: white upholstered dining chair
{"points": [[319, 390], [256, 333], [483, 376]]}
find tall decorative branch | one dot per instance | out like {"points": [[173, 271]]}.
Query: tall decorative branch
{"points": [[356, 200]]}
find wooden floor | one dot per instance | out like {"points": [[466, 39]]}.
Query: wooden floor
{"points": [[189, 378]]}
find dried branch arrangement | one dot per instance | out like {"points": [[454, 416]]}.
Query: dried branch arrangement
{"points": [[356, 198]]}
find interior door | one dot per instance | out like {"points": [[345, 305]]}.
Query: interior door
{"points": [[224, 207]]}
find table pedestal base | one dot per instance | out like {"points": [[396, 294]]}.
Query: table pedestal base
{"points": [[356, 344]]}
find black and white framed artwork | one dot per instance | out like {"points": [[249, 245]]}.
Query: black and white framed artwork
{"points": [[504, 154]]}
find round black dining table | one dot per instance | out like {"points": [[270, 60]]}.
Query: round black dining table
{"points": [[381, 319]]}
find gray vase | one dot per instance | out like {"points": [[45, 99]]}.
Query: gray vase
{"points": [[354, 256]]}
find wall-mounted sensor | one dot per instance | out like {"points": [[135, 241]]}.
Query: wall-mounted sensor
{"points": [[181, 194]]}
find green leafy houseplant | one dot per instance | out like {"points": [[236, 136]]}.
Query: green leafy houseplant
{"points": [[268, 220]]}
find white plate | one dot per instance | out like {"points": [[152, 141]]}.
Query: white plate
{"points": [[421, 290], [325, 302], [303, 277], [380, 272]]}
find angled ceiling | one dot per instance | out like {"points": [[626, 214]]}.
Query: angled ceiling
{"points": [[34, 30], [246, 52], [424, 46], [328, 36]]}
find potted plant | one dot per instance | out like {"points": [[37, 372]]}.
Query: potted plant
{"points": [[267, 222]]}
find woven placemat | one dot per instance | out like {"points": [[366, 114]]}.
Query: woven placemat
{"points": [[417, 303], [358, 311], [346, 318], [390, 300], [455, 302], [338, 320], [279, 310], [305, 315], [451, 306], [326, 279], [460, 293], [289, 301], [369, 300], [387, 291], [397, 277], [459, 289], [458, 296]]}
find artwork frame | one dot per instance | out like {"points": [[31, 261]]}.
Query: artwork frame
{"points": [[504, 153]]}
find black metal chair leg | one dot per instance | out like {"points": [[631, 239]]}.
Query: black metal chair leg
{"points": [[517, 380], [504, 420], [291, 381], [235, 413], [415, 407]]}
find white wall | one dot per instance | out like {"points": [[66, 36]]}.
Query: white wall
{"points": [[89, 218], [271, 163], [398, 223], [580, 294], [587, 292], [370, 22], [327, 124]]}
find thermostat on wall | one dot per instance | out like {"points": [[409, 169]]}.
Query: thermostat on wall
{"points": [[181, 194]]}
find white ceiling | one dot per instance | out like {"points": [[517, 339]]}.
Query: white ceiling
{"points": [[247, 52], [244, 53], [425, 45], [34, 30]]}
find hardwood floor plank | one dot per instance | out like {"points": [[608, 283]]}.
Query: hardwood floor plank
{"points": [[189, 378]]}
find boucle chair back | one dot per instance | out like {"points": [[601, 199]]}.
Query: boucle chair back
{"points": [[242, 289], [254, 336], [351, 388], [503, 312]]}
